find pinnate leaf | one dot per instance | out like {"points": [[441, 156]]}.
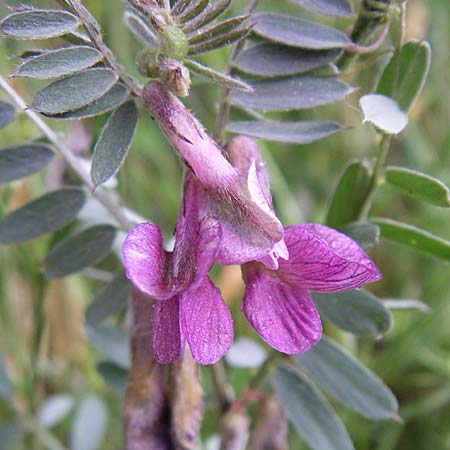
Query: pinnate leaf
{"points": [[364, 233], [23, 160], [328, 7], [310, 413], [114, 142], [285, 94], [414, 237], [109, 300], [404, 77], [270, 59], [73, 92], [347, 380], [419, 185], [48, 213], [57, 63], [113, 98], [384, 113], [298, 32], [7, 113], [79, 251], [89, 424], [289, 132], [38, 23], [112, 342], [357, 311], [350, 195]]}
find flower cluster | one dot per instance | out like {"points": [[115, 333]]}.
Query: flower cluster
{"points": [[227, 216]]}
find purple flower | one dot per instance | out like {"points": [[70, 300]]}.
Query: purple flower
{"points": [[231, 194], [277, 304], [188, 307], [310, 257]]}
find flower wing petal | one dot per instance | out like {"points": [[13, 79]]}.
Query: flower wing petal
{"points": [[207, 323], [167, 335], [145, 260], [283, 316], [325, 260]]}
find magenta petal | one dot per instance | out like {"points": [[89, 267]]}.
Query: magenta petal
{"points": [[207, 323], [167, 335], [283, 316], [324, 260], [145, 260]]}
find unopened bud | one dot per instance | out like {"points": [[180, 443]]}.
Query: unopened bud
{"points": [[186, 403], [173, 42], [234, 430], [175, 77], [270, 427], [147, 63]]}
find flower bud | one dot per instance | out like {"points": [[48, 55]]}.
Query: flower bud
{"points": [[147, 63], [270, 428], [175, 77], [173, 42], [234, 430]]}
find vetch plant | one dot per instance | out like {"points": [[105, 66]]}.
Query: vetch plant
{"points": [[159, 318]]}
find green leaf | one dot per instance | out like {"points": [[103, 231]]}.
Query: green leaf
{"points": [[289, 132], [57, 63], [298, 32], [23, 160], [89, 424], [384, 113], [419, 185], [271, 60], [414, 237], [73, 92], [79, 251], [113, 98], [54, 409], [109, 300], [7, 113], [365, 234], [6, 387], [350, 195], [115, 376], [404, 77], [359, 312], [338, 8], [114, 142], [310, 413], [342, 376], [216, 77], [285, 94], [212, 11], [48, 213], [38, 23], [112, 342], [10, 433], [140, 29]]}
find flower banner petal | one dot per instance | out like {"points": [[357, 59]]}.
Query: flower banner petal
{"points": [[207, 323], [167, 335], [283, 316], [324, 260]]}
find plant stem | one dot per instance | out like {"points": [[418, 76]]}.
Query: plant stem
{"points": [[97, 40], [225, 105], [223, 390], [377, 176], [372, 15], [72, 160], [267, 366]]}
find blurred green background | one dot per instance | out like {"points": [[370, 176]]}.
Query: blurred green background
{"points": [[41, 322]]}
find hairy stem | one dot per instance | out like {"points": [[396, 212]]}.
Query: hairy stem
{"points": [[372, 15], [97, 40], [73, 161], [224, 104]]}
